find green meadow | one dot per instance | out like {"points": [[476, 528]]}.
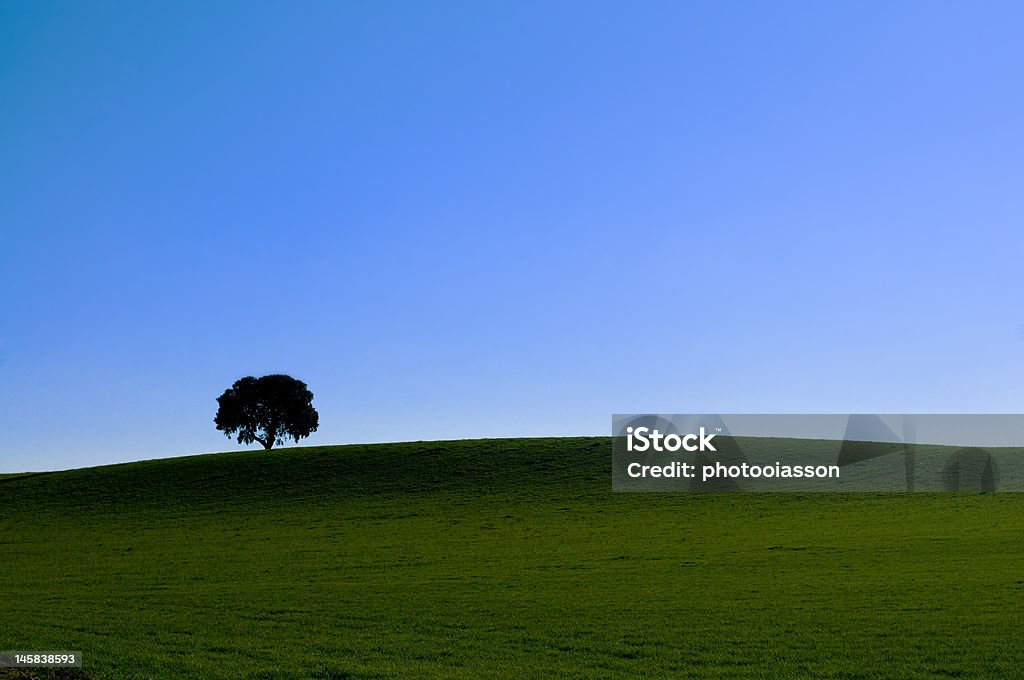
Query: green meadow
{"points": [[497, 559]]}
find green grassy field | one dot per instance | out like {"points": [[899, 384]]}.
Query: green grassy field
{"points": [[497, 558]]}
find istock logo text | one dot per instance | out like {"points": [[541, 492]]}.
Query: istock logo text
{"points": [[655, 441]]}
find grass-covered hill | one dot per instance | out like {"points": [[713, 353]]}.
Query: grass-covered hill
{"points": [[497, 558]]}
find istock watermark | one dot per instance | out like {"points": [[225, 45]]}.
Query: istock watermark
{"points": [[818, 452], [643, 438]]}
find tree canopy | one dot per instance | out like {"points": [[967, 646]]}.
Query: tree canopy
{"points": [[267, 410]]}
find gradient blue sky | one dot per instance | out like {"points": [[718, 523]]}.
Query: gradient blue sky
{"points": [[502, 218]]}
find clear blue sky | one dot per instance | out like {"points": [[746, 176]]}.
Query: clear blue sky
{"points": [[502, 218]]}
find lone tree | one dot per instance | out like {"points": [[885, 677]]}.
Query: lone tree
{"points": [[267, 410]]}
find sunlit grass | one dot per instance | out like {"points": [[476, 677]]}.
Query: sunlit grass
{"points": [[497, 558]]}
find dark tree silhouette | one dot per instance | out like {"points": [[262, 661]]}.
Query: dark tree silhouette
{"points": [[267, 410]]}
